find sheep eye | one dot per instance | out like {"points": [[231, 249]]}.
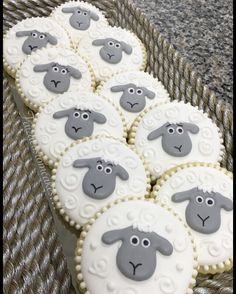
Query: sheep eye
{"points": [[180, 130], [85, 116], [117, 45], [199, 199], [76, 114], [210, 201], [134, 240], [79, 11], [139, 92], [41, 37], [34, 35], [99, 167], [111, 43], [55, 69], [85, 13], [146, 243], [131, 90], [170, 130], [64, 71], [108, 170]]}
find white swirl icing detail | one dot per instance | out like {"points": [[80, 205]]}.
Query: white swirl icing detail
{"points": [[213, 249], [205, 148], [207, 133], [227, 243], [99, 268], [166, 285], [180, 244], [113, 220], [196, 117], [70, 182], [176, 182], [88, 210], [172, 113], [71, 202]]}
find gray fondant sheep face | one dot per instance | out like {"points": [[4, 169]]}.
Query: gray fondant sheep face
{"points": [[36, 40], [80, 123], [175, 138], [203, 210], [136, 257], [80, 18], [133, 97], [57, 78], [100, 180], [111, 50]]}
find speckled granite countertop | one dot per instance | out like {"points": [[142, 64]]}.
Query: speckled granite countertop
{"points": [[202, 31]]}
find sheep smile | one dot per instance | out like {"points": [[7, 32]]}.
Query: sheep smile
{"points": [[135, 266], [132, 105], [76, 129], [79, 23], [110, 55], [33, 47], [55, 83], [179, 148], [203, 220], [96, 188]]}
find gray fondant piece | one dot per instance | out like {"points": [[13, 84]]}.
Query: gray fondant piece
{"points": [[80, 18], [111, 50], [100, 180], [175, 138], [136, 257], [80, 123], [203, 210], [133, 97], [57, 78], [36, 40]]}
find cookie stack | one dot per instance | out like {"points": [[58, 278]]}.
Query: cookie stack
{"points": [[137, 174]]}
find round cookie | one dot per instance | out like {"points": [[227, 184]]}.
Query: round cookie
{"points": [[93, 172], [73, 116], [136, 246], [79, 18], [202, 194], [30, 35], [47, 73], [132, 92], [113, 50], [175, 133]]}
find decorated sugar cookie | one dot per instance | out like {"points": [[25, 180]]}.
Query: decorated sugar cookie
{"points": [[93, 172], [136, 246], [74, 116], [203, 196], [174, 133], [79, 18], [28, 36], [133, 92], [48, 73], [112, 50]]}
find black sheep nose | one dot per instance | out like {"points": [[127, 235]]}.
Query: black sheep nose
{"points": [[79, 23], [203, 219], [110, 55], [134, 266], [55, 83], [96, 188], [32, 47], [179, 148], [132, 104]]}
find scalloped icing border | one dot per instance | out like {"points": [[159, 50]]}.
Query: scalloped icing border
{"points": [[87, 226], [36, 107], [137, 121], [55, 196], [12, 71], [204, 269], [41, 153]]}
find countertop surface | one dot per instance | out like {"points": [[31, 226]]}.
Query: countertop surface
{"points": [[202, 31]]}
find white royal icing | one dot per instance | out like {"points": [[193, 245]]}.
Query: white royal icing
{"points": [[12, 45], [173, 273], [204, 147], [140, 79], [63, 19], [31, 82], [77, 205], [212, 248], [50, 132], [103, 69]]}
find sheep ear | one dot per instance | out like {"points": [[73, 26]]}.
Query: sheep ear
{"points": [[185, 195], [113, 236], [43, 67], [99, 117], [224, 202], [75, 73], [23, 33], [156, 133], [62, 113], [94, 16], [118, 88], [148, 93], [161, 244], [69, 9], [85, 162], [99, 42], [192, 128], [122, 173], [126, 48], [52, 40]]}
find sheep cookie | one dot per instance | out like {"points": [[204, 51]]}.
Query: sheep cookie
{"points": [[202, 194], [93, 172], [49, 72], [28, 36], [132, 92], [136, 246], [74, 116], [113, 50], [175, 133], [79, 18]]}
